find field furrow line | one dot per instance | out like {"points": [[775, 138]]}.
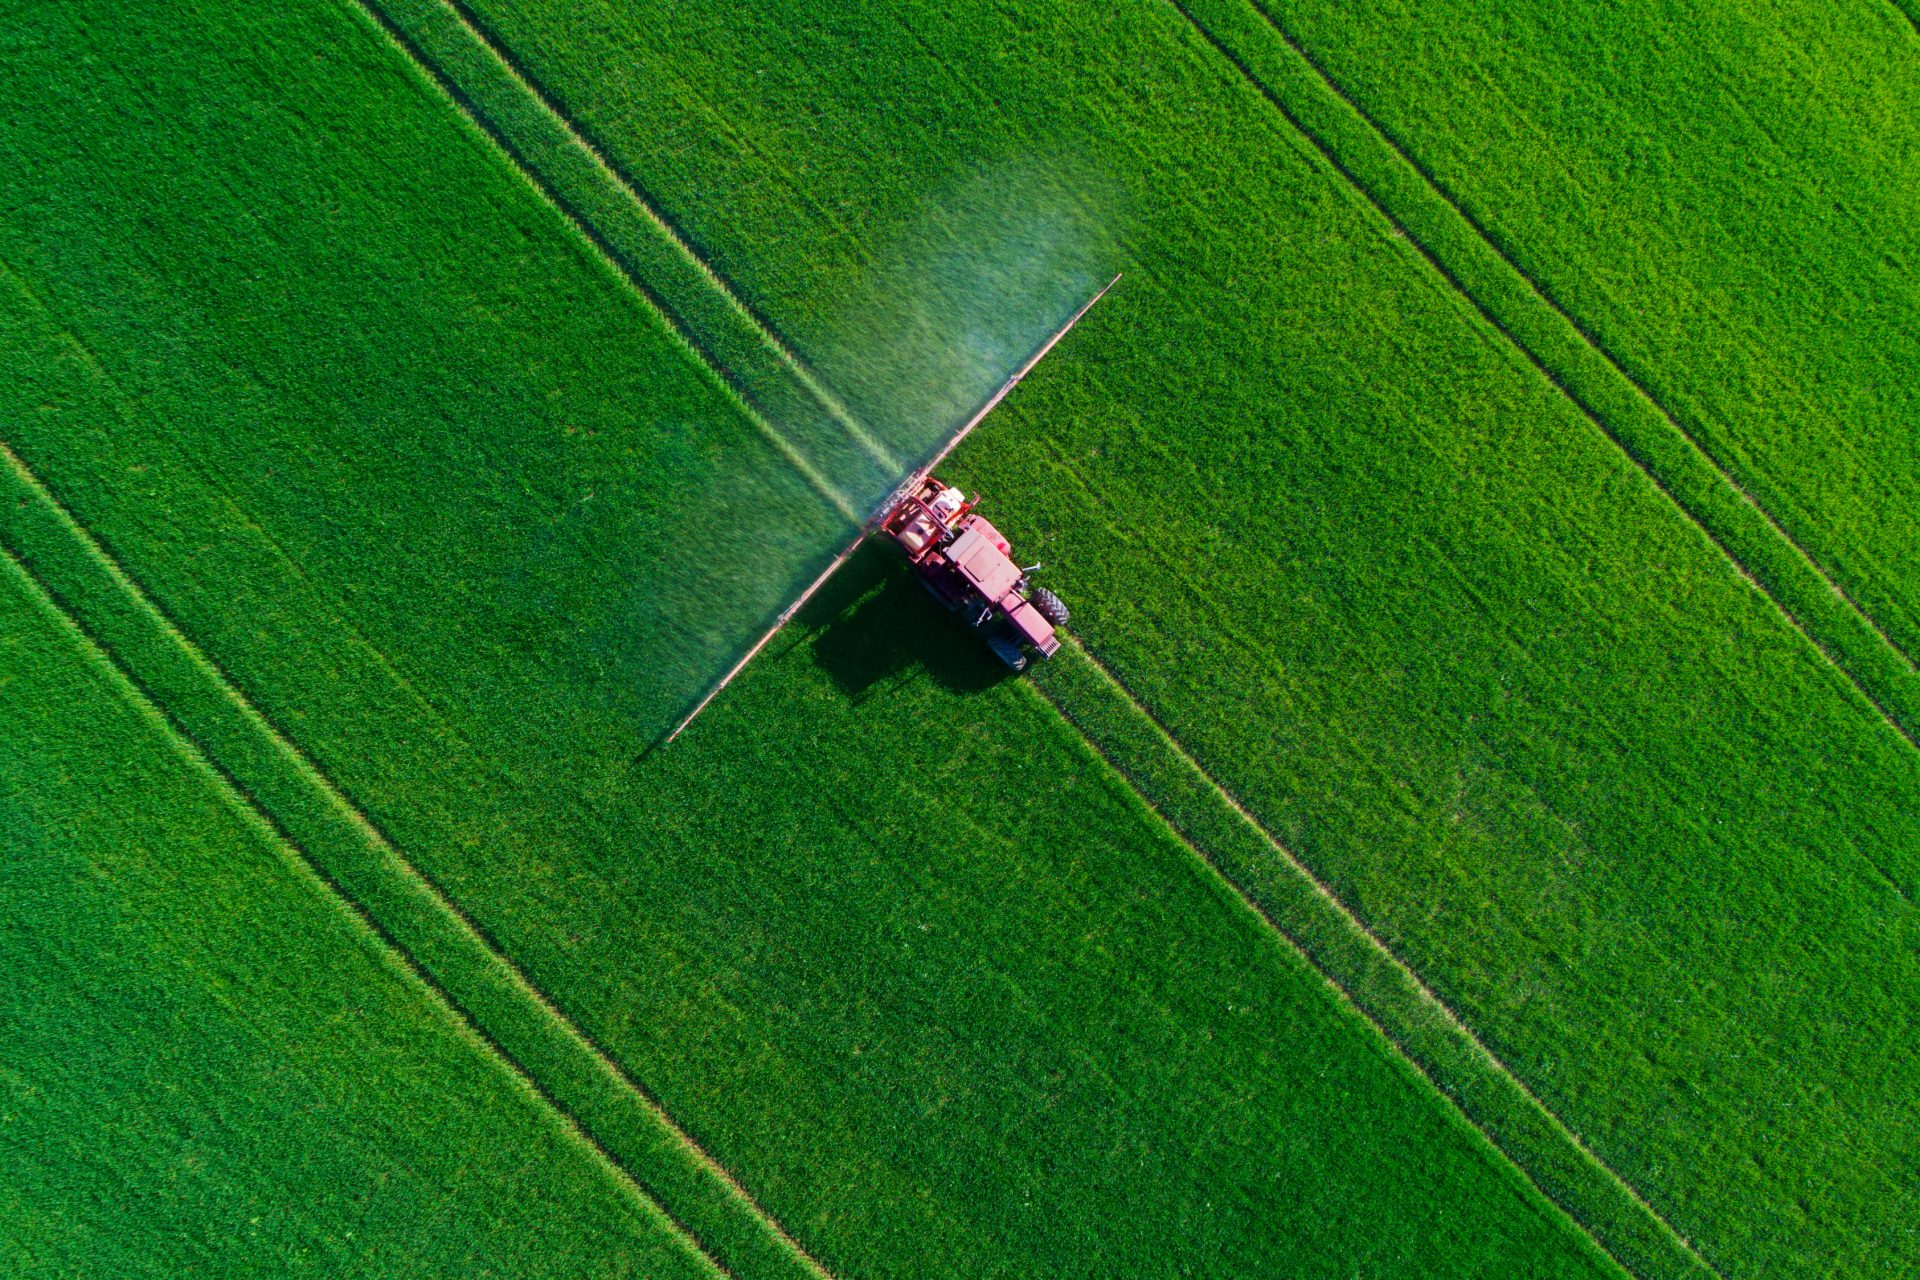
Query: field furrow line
{"points": [[254, 813], [1529, 321], [1340, 991], [1586, 334], [603, 161], [429, 932], [1907, 11], [722, 374], [1367, 974], [811, 426]]}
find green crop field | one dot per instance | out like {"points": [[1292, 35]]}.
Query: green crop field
{"points": [[1472, 829], [213, 1065]]}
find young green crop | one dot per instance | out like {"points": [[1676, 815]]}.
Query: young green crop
{"points": [[1726, 196], [983, 1003], [414, 470], [1372, 566], [1391, 589], [363, 382], [212, 1067], [1565, 353]]}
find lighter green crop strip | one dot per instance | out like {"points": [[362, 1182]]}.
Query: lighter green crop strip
{"points": [[399, 37], [1851, 642], [250, 810], [1404, 1012], [411, 904]]}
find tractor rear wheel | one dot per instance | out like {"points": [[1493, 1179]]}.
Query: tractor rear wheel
{"points": [[1008, 650], [1051, 606]]}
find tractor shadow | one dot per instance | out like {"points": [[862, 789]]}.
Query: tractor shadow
{"points": [[876, 623]]}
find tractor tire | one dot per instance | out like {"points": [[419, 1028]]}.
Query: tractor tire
{"points": [[1008, 650], [1051, 606]]}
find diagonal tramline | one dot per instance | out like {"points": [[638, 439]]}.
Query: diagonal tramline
{"points": [[1763, 555], [1587, 336], [550, 152], [362, 866], [834, 405], [1410, 1003], [704, 356], [256, 815]]}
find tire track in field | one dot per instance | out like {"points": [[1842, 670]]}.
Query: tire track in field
{"points": [[1726, 504], [549, 103], [493, 988], [1906, 11], [1394, 1000], [1347, 952], [254, 813], [554, 154], [73, 535], [609, 254], [1587, 336]]}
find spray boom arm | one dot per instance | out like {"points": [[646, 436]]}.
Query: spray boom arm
{"points": [[880, 514]]}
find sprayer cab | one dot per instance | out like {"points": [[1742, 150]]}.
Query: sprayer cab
{"points": [[962, 559]]}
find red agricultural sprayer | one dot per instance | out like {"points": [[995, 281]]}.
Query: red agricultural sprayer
{"points": [[958, 555]]}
